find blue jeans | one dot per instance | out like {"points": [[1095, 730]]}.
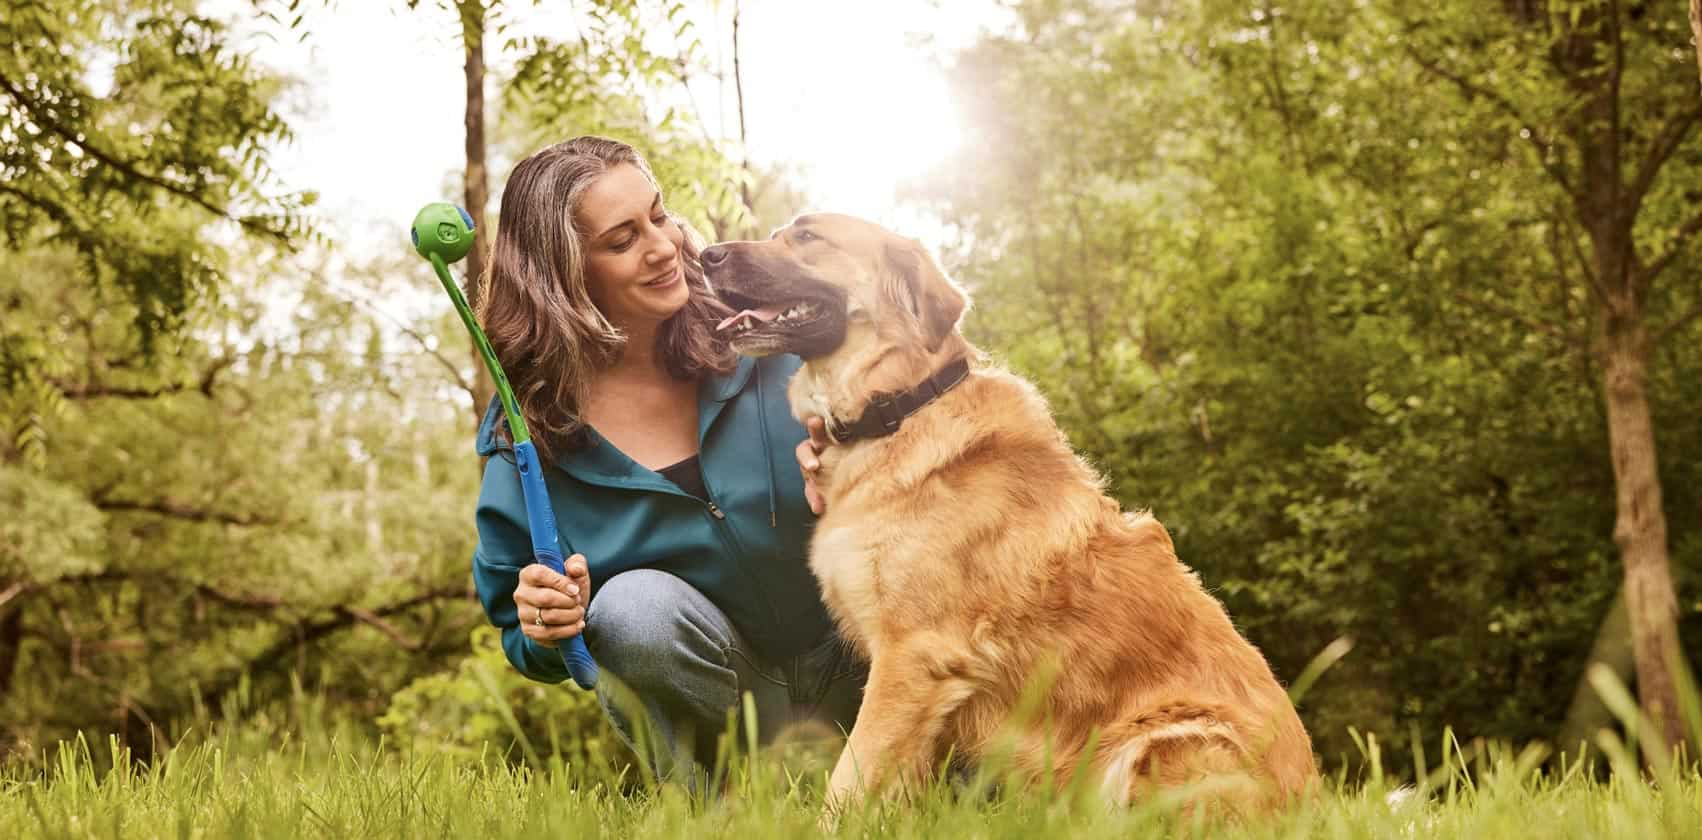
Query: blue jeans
{"points": [[684, 667]]}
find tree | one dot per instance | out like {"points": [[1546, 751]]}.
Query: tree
{"points": [[117, 158], [1608, 167], [1696, 31], [100, 161], [1294, 291], [473, 16]]}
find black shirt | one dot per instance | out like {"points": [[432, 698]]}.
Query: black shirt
{"points": [[688, 476]]}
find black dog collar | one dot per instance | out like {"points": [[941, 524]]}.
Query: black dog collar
{"points": [[885, 414]]}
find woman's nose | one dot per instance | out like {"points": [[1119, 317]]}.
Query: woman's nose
{"points": [[663, 249]]}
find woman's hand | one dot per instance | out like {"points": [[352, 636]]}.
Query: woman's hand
{"points": [[808, 453], [552, 606]]}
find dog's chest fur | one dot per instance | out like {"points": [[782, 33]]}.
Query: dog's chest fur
{"points": [[849, 574], [885, 550]]}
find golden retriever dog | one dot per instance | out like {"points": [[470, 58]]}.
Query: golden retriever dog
{"points": [[968, 552]]}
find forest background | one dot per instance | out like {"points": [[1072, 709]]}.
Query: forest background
{"points": [[1390, 311]]}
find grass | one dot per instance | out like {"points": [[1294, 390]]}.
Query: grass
{"points": [[244, 783], [299, 772]]}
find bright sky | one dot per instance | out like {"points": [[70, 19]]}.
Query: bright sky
{"points": [[840, 89]]}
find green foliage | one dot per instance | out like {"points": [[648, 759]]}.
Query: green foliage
{"points": [[1322, 307], [125, 147], [609, 81], [227, 488], [49, 531], [252, 500], [483, 706], [1306, 280], [259, 784]]}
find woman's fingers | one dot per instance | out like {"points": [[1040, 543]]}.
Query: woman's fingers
{"points": [[529, 597], [543, 576], [817, 428], [809, 466], [557, 624], [550, 634], [560, 617], [579, 577], [551, 605], [807, 460], [554, 618]]}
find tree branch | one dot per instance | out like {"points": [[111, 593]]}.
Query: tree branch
{"points": [[1647, 274], [1672, 135], [95, 390], [108, 576], [420, 339], [372, 619], [310, 631], [1661, 335], [1592, 280], [1616, 74], [180, 510], [1696, 32], [39, 116], [1514, 315], [1503, 104], [744, 141]]}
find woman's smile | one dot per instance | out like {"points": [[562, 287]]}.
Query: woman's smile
{"points": [[667, 280]]}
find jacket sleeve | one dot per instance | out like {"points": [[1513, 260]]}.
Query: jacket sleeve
{"points": [[504, 548]]}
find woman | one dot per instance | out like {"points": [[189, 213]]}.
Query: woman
{"points": [[671, 469]]}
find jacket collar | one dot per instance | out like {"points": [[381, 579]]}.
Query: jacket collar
{"points": [[602, 462], [726, 386]]}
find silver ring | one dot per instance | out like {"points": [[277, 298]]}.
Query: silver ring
{"points": [[538, 616]]}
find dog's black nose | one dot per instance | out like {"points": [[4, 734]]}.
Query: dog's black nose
{"points": [[714, 255]]}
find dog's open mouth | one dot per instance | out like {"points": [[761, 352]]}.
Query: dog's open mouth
{"points": [[777, 306], [798, 312], [757, 317]]}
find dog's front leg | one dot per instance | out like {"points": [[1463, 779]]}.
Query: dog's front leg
{"points": [[906, 704]]}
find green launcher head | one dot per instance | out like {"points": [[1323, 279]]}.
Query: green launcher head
{"points": [[443, 229], [443, 233]]}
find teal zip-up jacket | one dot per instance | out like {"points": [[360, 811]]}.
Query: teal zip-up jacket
{"points": [[745, 549]]}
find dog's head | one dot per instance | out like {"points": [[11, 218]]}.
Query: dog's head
{"points": [[825, 276]]}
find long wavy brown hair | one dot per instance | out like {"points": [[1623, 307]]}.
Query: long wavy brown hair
{"points": [[538, 313]]}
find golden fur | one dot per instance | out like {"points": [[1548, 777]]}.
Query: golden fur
{"points": [[974, 552]]}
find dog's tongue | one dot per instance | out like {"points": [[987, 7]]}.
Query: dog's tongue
{"points": [[763, 314]]}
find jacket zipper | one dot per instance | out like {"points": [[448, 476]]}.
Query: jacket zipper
{"points": [[730, 540]]}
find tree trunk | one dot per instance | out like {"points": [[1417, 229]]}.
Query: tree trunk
{"points": [[1593, 57], [477, 185], [11, 640], [1696, 32], [1640, 527]]}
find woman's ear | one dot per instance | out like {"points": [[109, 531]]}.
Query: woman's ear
{"points": [[917, 288]]}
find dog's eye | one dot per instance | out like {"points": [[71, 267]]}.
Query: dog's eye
{"points": [[806, 236]]}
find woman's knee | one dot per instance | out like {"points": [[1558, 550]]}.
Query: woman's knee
{"points": [[651, 628]]}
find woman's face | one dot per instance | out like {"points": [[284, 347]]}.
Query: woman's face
{"points": [[634, 267]]}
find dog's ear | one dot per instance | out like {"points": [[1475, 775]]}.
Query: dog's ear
{"points": [[917, 287]]}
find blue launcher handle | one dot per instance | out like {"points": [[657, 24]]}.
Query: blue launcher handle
{"points": [[546, 549]]}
